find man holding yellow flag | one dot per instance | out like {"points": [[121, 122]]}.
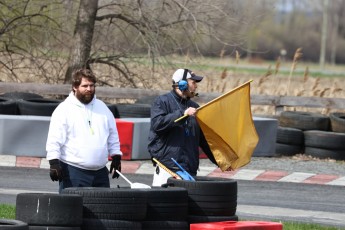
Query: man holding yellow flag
{"points": [[178, 140]]}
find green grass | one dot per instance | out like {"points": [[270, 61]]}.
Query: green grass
{"points": [[246, 67], [9, 212], [303, 226]]}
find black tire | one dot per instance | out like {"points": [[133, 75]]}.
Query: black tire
{"points": [[8, 107], [49, 209], [205, 219], [205, 186], [304, 120], [290, 136], [32, 227], [21, 95], [167, 204], [325, 153], [104, 224], [166, 225], [114, 110], [134, 110], [337, 122], [37, 107], [324, 140], [209, 196], [288, 150], [7, 224], [112, 203]]}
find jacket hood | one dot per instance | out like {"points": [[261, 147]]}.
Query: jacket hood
{"points": [[73, 100]]}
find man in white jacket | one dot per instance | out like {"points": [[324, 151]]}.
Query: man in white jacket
{"points": [[82, 135]]}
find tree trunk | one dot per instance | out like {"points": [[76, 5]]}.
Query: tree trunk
{"points": [[83, 34], [336, 11], [324, 35]]}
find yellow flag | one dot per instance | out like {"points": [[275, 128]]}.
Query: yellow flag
{"points": [[228, 127]]}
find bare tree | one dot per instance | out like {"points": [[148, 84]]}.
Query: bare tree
{"points": [[23, 44], [126, 41], [82, 39], [128, 30], [337, 11], [324, 32]]}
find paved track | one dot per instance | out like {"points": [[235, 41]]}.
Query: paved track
{"points": [[269, 188], [261, 169]]}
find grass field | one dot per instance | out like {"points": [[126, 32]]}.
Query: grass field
{"points": [[7, 211], [293, 78], [272, 78]]}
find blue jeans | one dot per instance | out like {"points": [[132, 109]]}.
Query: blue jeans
{"points": [[77, 177]]}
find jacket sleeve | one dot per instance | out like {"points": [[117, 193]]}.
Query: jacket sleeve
{"points": [[56, 134], [206, 148], [162, 120]]}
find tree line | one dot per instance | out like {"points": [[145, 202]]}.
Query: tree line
{"points": [[46, 40]]}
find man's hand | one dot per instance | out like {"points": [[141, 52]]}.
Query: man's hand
{"points": [[55, 170], [115, 165], [190, 111]]}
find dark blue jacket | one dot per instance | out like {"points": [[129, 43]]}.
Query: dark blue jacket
{"points": [[179, 140]]}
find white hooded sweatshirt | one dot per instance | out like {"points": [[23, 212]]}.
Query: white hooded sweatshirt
{"points": [[82, 135]]}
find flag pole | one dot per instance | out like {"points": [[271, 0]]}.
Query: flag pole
{"points": [[184, 116], [180, 118]]}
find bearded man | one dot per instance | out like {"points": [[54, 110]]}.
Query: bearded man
{"points": [[82, 136]]}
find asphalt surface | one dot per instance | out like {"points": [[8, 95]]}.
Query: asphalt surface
{"points": [[299, 169], [307, 176]]}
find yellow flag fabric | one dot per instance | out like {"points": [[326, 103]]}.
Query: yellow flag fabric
{"points": [[228, 127]]}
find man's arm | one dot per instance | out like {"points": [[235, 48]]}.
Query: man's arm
{"points": [[161, 119]]}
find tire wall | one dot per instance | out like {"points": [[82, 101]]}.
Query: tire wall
{"points": [[210, 199], [312, 134], [90, 208], [8, 107], [23, 103]]}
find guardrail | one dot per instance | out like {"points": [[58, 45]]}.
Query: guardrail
{"points": [[279, 102]]}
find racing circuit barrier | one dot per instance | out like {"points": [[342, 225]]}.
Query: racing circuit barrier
{"points": [[26, 135]]}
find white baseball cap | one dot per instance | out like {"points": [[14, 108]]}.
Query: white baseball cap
{"points": [[178, 75]]}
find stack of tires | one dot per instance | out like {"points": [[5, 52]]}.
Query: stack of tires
{"points": [[210, 199], [8, 106], [134, 110], [9, 101], [327, 143], [175, 207], [37, 106], [126, 208], [313, 134], [167, 208], [23, 103], [111, 208], [289, 142], [49, 211]]}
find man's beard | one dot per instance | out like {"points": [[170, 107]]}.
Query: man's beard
{"points": [[85, 99]]}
